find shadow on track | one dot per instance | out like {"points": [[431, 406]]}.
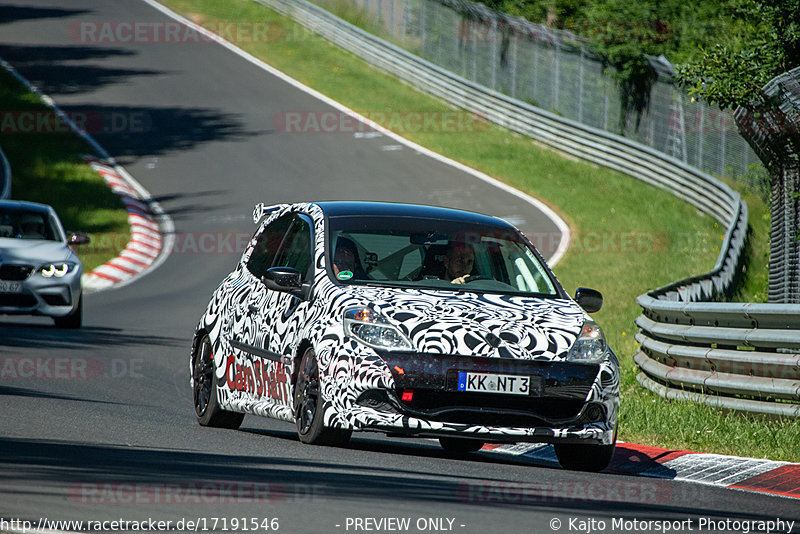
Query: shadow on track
{"points": [[25, 335], [10, 14], [107, 474], [66, 69], [133, 131], [36, 394]]}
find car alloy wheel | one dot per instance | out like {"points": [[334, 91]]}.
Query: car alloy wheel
{"points": [[308, 404], [205, 391]]}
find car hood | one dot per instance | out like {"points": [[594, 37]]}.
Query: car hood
{"points": [[33, 251], [443, 322]]}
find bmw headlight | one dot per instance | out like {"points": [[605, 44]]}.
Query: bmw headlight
{"points": [[56, 270], [372, 329], [590, 347]]}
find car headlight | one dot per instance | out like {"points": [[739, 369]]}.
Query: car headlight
{"points": [[372, 329], [56, 270], [590, 347]]}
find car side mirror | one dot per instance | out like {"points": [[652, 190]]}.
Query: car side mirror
{"points": [[77, 238], [589, 299], [286, 280]]}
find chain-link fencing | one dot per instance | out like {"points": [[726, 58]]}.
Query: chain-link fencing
{"points": [[554, 70]]}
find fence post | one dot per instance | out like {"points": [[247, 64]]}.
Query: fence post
{"points": [[556, 74], [701, 134], [513, 63], [422, 27], [723, 141], [494, 53], [404, 20], [392, 27], [580, 86]]}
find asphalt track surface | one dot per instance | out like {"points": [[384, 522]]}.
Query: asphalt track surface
{"points": [[105, 429]]}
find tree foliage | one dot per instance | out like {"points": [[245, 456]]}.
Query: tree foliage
{"points": [[731, 72]]}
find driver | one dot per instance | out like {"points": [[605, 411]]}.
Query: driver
{"points": [[345, 259], [458, 262], [31, 227]]}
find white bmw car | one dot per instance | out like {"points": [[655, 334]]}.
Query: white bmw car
{"points": [[408, 320], [39, 272]]}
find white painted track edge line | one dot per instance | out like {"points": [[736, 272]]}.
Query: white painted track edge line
{"points": [[538, 204]]}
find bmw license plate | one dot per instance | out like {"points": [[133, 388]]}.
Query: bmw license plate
{"points": [[10, 287], [494, 383]]}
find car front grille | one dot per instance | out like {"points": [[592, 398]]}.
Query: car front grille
{"points": [[493, 410], [474, 409], [15, 273]]}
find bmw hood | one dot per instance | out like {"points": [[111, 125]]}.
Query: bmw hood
{"points": [[502, 326], [33, 251]]}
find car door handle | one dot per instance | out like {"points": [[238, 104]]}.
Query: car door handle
{"points": [[252, 308]]}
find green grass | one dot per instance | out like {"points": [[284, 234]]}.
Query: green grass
{"points": [[754, 189], [47, 168], [651, 237]]}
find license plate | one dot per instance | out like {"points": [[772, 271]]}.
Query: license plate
{"points": [[493, 383], [10, 287]]}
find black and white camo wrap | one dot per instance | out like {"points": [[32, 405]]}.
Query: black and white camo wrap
{"points": [[436, 322]]}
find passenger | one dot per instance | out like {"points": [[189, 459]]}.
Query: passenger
{"points": [[458, 262]]}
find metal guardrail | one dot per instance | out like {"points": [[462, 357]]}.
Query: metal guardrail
{"points": [[598, 146], [689, 348], [5, 177]]}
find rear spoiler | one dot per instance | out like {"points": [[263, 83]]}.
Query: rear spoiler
{"points": [[261, 210]]}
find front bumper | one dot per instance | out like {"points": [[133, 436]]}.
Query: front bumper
{"points": [[570, 402], [43, 296]]}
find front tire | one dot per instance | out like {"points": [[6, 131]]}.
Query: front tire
{"points": [[74, 319], [591, 458], [206, 406], [308, 407]]}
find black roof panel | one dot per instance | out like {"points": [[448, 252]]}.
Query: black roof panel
{"points": [[392, 209]]}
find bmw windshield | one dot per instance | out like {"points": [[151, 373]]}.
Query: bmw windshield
{"points": [[439, 254], [27, 224]]}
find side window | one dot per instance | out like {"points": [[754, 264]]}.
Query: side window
{"points": [[267, 244], [296, 250]]}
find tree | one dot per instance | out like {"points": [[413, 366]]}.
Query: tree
{"points": [[622, 33], [767, 43]]}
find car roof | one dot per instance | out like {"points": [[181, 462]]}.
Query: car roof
{"points": [[25, 205], [393, 209]]}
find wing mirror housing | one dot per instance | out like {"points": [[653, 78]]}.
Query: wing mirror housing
{"points": [[286, 280], [77, 238], [590, 300]]}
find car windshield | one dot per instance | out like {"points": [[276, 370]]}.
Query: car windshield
{"points": [[434, 254], [26, 224]]}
